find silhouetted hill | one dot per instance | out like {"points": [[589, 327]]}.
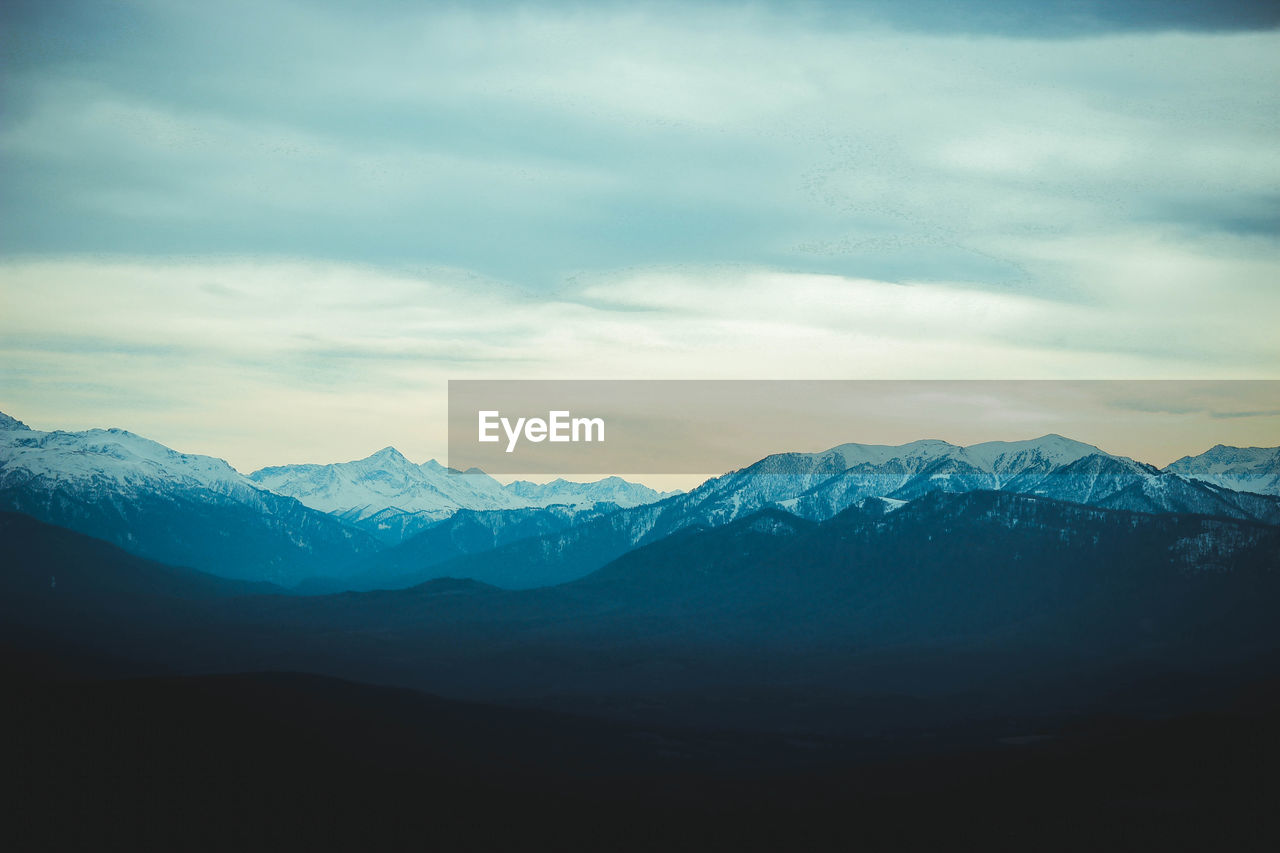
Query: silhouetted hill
{"points": [[467, 532], [280, 759], [44, 560]]}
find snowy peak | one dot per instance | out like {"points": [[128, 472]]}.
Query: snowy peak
{"points": [[178, 508], [387, 480], [1091, 478], [879, 454], [1007, 460], [1003, 460], [110, 459], [821, 485], [826, 482], [609, 490], [388, 457], [11, 423], [1244, 469]]}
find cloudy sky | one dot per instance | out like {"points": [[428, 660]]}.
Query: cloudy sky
{"points": [[272, 231]]}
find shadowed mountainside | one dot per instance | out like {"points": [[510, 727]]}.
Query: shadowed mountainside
{"points": [[992, 596]]}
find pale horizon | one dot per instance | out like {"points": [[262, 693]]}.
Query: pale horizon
{"points": [[685, 482]]}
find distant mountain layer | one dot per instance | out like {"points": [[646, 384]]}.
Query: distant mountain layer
{"points": [[818, 486], [173, 507], [198, 511], [1243, 469], [45, 559], [388, 521], [464, 533], [387, 480]]}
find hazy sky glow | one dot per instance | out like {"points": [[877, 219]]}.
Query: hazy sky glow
{"points": [[272, 231]]}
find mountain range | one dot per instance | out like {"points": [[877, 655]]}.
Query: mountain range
{"points": [[919, 613], [818, 486], [393, 499], [387, 480], [1244, 469], [983, 654], [384, 521], [282, 525], [173, 507]]}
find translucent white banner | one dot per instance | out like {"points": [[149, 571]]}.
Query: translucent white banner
{"points": [[509, 427]]}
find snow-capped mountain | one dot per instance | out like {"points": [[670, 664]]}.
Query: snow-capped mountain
{"points": [[178, 508], [280, 524], [385, 480], [921, 467], [287, 523], [610, 490], [388, 481], [111, 461], [1051, 466], [818, 486], [1243, 469]]}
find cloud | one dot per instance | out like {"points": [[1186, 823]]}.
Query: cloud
{"points": [[1262, 413], [533, 142], [314, 213], [1055, 19], [264, 359]]}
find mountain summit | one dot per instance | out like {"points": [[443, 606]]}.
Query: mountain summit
{"points": [[10, 423], [388, 481], [288, 523], [818, 486], [1244, 469], [177, 508], [384, 480]]}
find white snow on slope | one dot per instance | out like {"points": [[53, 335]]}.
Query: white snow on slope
{"points": [[388, 480], [1244, 469], [385, 480], [102, 459]]}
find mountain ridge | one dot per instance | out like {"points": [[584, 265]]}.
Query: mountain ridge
{"points": [[133, 491], [388, 480], [177, 508], [816, 486]]}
